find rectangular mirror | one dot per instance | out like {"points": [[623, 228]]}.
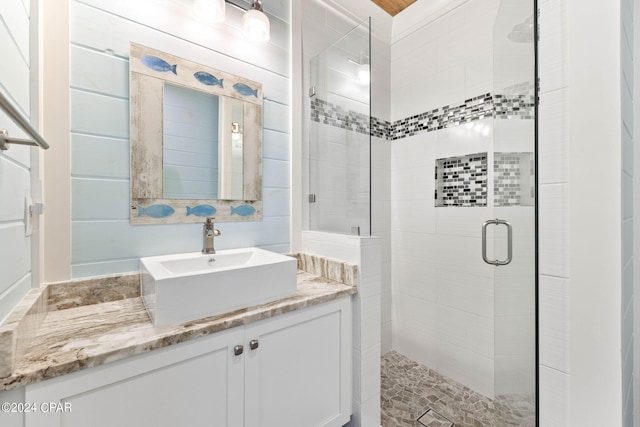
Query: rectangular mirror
{"points": [[196, 141], [202, 151]]}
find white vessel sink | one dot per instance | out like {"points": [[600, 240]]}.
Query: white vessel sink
{"points": [[183, 287]]}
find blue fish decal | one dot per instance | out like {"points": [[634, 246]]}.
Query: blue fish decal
{"points": [[245, 90], [201, 210], [243, 210], [208, 79], [158, 64], [156, 211]]}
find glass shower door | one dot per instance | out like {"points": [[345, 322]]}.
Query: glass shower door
{"points": [[339, 137], [512, 239]]}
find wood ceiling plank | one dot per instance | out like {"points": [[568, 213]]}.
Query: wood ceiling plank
{"points": [[393, 7]]}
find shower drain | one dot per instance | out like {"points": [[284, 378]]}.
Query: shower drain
{"points": [[433, 419]]}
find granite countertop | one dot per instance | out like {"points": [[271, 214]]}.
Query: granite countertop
{"points": [[104, 320]]}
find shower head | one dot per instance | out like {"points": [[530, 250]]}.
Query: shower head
{"points": [[523, 32]]}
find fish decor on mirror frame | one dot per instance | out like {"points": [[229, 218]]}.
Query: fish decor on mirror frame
{"points": [[245, 90], [155, 211], [243, 210], [201, 210], [208, 79], [158, 64]]}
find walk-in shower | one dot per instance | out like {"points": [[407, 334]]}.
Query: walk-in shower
{"points": [[463, 195]]}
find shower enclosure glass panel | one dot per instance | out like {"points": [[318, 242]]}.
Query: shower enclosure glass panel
{"points": [[514, 200], [339, 137]]}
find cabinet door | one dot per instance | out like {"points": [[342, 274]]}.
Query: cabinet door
{"points": [[196, 383], [300, 374]]}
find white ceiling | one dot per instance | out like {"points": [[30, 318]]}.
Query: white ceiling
{"points": [[388, 28]]}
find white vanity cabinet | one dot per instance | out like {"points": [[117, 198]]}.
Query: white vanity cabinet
{"points": [[196, 383], [300, 373], [294, 370]]}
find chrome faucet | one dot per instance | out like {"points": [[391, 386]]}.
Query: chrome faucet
{"points": [[207, 237]]}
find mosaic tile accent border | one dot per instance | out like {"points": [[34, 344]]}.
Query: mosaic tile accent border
{"points": [[513, 107], [461, 181], [476, 108], [334, 115], [517, 102]]}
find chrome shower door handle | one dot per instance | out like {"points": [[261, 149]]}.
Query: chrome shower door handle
{"points": [[509, 242]]}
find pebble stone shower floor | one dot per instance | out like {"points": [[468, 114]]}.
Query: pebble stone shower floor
{"points": [[411, 391]]}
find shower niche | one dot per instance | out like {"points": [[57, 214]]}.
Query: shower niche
{"points": [[467, 181]]}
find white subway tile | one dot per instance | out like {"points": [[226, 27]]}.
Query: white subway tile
{"points": [[553, 143], [461, 291], [465, 366], [465, 330], [554, 398], [370, 412], [553, 45], [369, 312], [553, 229]]}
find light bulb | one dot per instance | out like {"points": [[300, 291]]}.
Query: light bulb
{"points": [[363, 74], [255, 24], [211, 10]]}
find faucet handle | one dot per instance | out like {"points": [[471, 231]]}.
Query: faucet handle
{"points": [[208, 224]]}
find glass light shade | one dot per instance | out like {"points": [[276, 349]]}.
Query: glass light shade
{"points": [[211, 10], [363, 74], [256, 26]]}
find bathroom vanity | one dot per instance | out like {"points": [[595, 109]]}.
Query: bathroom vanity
{"points": [[289, 370], [285, 363]]}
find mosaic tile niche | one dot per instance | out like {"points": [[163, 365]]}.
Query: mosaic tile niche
{"points": [[461, 181], [513, 179]]}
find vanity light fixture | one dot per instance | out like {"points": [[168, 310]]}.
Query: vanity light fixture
{"points": [[255, 24], [211, 10], [363, 74], [363, 69]]}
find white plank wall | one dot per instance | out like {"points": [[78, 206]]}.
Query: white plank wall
{"points": [[102, 239], [15, 249]]}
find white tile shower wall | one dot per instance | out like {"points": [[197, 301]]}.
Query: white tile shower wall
{"points": [[102, 239], [15, 248], [437, 283], [365, 252], [632, 163], [340, 168], [628, 130], [438, 276], [381, 227], [433, 248], [553, 190], [322, 25], [445, 62]]}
